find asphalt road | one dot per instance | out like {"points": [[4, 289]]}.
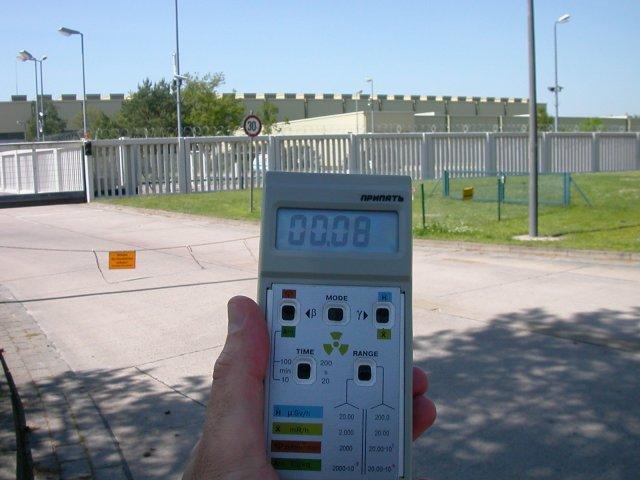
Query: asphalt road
{"points": [[533, 360]]}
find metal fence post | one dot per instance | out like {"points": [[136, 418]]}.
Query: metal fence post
{"points": [[354, 154], [545, 153], [125, 167], [275, 158], [637, 151], [490, 152], [34, 163], [566, 189], [427, 157], [58, 170], [17, 170], [88, 175], [445, 183], [595, 152], [183, 182]]}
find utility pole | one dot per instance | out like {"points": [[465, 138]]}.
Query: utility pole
{"points": [[533, 127]]}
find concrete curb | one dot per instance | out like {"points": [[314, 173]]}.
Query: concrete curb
{"points": [[550, 252]]}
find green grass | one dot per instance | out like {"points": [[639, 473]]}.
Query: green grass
{"points": [[611, 223]]}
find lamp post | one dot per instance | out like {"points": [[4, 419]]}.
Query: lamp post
{"points": [[25, 56], [533, 124], [370, 80], [42, 115], [556, 88], [176, 74], [358, 93], [67, 32]]}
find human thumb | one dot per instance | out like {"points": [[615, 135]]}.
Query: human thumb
{"points": [[233, 432]]}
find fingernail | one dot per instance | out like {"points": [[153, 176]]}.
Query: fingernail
{"points": [[236, 317]]}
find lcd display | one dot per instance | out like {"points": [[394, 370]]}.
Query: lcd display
{"points": [[337, 230]]}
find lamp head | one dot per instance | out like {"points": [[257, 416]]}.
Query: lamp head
{"points": [[564, 18], [67, 32], [25, 56], [368, 79]]}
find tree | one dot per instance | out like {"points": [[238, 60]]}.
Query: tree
{"points": [[208, 111], [150, 111], [53, 124], [269, 116], [545, 122], [591, 125], [99, 124]]}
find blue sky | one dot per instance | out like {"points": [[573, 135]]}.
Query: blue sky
{"points": [[429, 47]]}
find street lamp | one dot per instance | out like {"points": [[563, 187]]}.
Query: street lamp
{"points": [[370, 80], [67, 32], [176, 72], [358, 93], [41, 119], [556, 88], [25, 56], [533, 123]]}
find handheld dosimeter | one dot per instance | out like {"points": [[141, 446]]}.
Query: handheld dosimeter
{"points": [[335, 286]]}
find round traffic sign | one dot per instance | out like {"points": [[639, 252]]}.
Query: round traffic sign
{"points": [[252, 125]]}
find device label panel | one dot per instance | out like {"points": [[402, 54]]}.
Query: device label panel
{"points": [[336, 381]]}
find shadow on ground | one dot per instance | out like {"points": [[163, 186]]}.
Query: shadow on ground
{"points": [[514, 404], [155, 427]]}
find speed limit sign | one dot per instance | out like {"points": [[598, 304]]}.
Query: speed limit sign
{"points": [[252, 125]]}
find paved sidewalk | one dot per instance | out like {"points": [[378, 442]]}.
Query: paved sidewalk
{"points": [[534, 360], [7, 434], [68, 436]]}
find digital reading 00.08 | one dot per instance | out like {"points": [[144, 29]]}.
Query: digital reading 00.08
{"points": [[371, 231]]}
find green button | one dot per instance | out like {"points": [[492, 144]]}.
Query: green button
{"points": [[297, 464], [286, 428], [289, 332], [384, 334]]}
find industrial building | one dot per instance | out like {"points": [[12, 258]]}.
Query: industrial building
{"points": [[335, 113]]}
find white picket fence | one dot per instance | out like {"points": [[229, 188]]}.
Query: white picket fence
{"points": [[42, 170], [201, 164], [154, 166]]}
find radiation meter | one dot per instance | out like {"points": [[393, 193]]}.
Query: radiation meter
{"points": [[335, 286]]}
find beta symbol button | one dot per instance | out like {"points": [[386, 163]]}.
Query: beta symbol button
{"points": [[288, 312]]}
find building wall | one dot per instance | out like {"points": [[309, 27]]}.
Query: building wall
{"points": [[454, 113], [332, 124]]}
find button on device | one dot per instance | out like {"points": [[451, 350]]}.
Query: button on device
{"points": [[335, 314], [288, 312], [364, 373], [382, 315], [304, 371]]}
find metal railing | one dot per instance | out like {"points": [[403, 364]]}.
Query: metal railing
{"points": [[199, 164], [41, 168]]}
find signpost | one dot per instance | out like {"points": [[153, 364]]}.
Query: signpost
{"points": [[252, 127]]}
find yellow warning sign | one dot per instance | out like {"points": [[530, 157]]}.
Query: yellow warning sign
{"points": [[122, 259]]}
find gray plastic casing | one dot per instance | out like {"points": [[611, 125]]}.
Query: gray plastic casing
{"points": [[343, 192]]}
